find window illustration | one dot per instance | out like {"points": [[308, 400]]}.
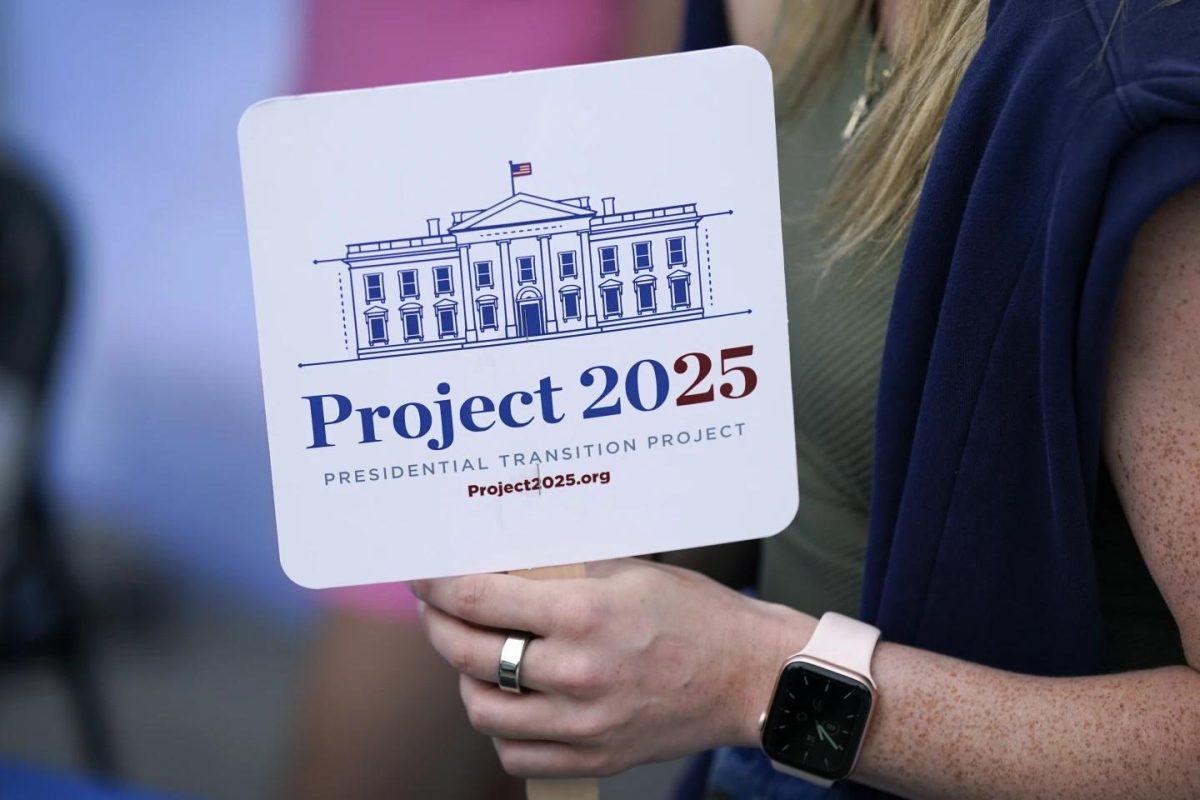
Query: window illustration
{"points": [[447, 319], [410, 320], [570, 303], [647, 302], [409, 289], [488, 319], [483, 275], [641, 256], [608, 261], [377, 332], [566, 265], [681, 289], [525, 271], [610, 295], [675, 252], [373, 287], [443, 283], [525, 267]]}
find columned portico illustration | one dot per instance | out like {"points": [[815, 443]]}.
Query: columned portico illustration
{"points": [[589, 304], [506, 280], [465, 281], [524, 268]]}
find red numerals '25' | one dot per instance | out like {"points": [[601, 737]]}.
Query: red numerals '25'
{"points": [[696, 394]]}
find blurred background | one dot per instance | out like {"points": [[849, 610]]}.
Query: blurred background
{"points": [[147, 634]]}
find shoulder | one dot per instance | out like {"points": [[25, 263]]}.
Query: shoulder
{"points": [[1079, 78], [1099, 43], [1164, 270], [1143, 39]]}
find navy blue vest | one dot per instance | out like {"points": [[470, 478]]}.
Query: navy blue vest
{"points": [[989, 417]]}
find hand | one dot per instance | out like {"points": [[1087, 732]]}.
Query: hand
{"points": [[636, 662]]}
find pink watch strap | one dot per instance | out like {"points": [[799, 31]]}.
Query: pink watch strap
{"points": [[843, 642]]}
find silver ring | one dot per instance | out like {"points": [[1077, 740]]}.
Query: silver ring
{"points": [[508, 674]]}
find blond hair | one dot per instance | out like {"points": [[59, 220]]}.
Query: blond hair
{"points": [[872, 198], [871, 201]]}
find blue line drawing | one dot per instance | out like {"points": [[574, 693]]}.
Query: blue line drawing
{"points": [[526, 268]]}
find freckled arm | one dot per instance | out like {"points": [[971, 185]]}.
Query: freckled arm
{"points": [[946, 728], [949, 729]]}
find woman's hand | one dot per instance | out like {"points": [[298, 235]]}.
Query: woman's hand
{"points": [[636, 662]]}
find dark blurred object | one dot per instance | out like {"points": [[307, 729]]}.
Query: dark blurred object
{"points": [[41, 609], [705, 25]]}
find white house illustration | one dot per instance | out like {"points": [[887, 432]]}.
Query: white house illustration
{"points": [[524, 268]]}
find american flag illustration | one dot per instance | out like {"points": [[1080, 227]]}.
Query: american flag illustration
{"points": [[521, 170]]}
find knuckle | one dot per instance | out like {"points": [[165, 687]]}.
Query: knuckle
{"points": [[461, 658], [602, 764], [469, 594], [580, 675], [580, 615], [428, 628], [477, 715], [592, 728], [509, 757]]}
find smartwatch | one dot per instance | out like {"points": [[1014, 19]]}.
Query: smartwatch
{"points": [[822, 703]]}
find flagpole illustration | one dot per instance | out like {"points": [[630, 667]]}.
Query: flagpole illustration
{"points": [[518, 169]]}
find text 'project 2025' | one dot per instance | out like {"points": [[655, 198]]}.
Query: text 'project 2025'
{"points": [[645, 386]]}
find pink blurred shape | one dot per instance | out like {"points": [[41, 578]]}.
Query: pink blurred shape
{"points": [[351, 44]]}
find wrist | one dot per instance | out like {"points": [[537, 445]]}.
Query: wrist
{"points": [[769, 635]]}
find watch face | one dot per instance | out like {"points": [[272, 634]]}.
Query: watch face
{"points": [[816, 720]]}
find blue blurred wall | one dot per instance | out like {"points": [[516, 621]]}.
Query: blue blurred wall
{"points": [[128, 109]]}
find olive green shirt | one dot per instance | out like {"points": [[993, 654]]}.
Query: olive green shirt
{"points": [[837, 318]]}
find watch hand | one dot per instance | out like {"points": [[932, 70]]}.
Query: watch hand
{"points": [[821, 732]]}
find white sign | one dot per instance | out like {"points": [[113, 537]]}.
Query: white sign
{"points": [[522, 320]]}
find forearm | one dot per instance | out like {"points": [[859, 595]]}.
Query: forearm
{"points": [[947, 728]]}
